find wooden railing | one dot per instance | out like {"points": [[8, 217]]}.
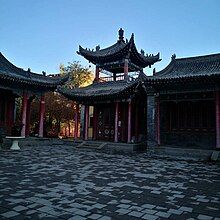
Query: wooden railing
{"points": [[111, 78]]}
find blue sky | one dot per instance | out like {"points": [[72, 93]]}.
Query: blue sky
{"points": [[41, 34]]}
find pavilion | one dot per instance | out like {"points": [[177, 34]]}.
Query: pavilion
{"points": [[16, 82], [114, 107]]}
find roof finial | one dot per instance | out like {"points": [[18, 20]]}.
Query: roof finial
{"points": [[97, 48], [121, 34], [173, 56]]}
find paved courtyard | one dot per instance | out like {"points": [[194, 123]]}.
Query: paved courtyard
{"points": [[62, 182]]}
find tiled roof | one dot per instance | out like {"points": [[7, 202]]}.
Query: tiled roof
{"points": [[9, 73], [117, 53], [192, 67], [103, 91]]}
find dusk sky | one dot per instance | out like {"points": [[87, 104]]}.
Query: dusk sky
{"points": [[42, 34]]}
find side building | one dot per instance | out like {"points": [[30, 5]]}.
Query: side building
{"points": [[187, 102], [16, 82]]}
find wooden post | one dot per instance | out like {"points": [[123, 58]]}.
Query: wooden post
{"points": [[10, 113], [86, 122], [96, 73], [24, 113], [217, 111], [76, 122], [95, 125], [158, 121], [27, 130], [42, 112], [129, 121], [126, 69], [136, 122], [116, 122]]}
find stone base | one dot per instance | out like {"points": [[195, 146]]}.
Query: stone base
{"points": [[125, 147], [113, 147], [181, 152]]}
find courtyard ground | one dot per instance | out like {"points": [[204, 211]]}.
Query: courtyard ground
{"points": [[62, 182]]}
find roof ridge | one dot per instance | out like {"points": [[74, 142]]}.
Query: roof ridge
{"points": [[174, 61], [10, 70], [215, 55], [2, 57]]}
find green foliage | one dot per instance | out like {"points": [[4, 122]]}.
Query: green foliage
{"points": [[79, 76], [59, 110]]}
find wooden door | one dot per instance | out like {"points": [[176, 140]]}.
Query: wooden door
{"points": [[105, 129]]}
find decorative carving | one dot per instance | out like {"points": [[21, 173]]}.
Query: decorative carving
{"points": [[142, 52], [121, 34], [173, 56], [97, 48]]}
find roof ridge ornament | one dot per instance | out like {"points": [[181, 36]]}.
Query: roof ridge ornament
{"points": [[121, 34], [97, 48], [173, 57]]}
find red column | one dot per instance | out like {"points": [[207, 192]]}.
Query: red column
{"points": [[96, 73], [86, 122], [126, 69], [24, 113], [10, 113], [116, 122], [158, 121], [95, 116], [136, 122], [76, 122], [217, 111], [27, 130], [129, 121], [42, 112]]}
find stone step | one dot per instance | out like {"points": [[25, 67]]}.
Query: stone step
{"points": [[90, 144]]}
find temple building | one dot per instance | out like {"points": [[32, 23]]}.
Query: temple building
{"points": [[16, 82], [179, 105], [114, 107], [187, 102]]}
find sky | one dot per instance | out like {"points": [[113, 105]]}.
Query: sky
{"points": [[42, 34]]}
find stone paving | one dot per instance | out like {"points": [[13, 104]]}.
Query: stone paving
{"points": [[62, 182]]}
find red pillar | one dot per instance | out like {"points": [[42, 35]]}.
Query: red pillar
{"points": [[136, 122], [24, 113], [27, 130], [86, 122], [95, 117], [96, 73], [126, 69], [10, 113], [217, 111], [116, 122], [42, 112], [158, 121], [76, 119], [129, 121]]}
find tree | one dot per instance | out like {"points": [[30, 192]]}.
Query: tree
{"points": [[79, 76], [59, 110]]}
